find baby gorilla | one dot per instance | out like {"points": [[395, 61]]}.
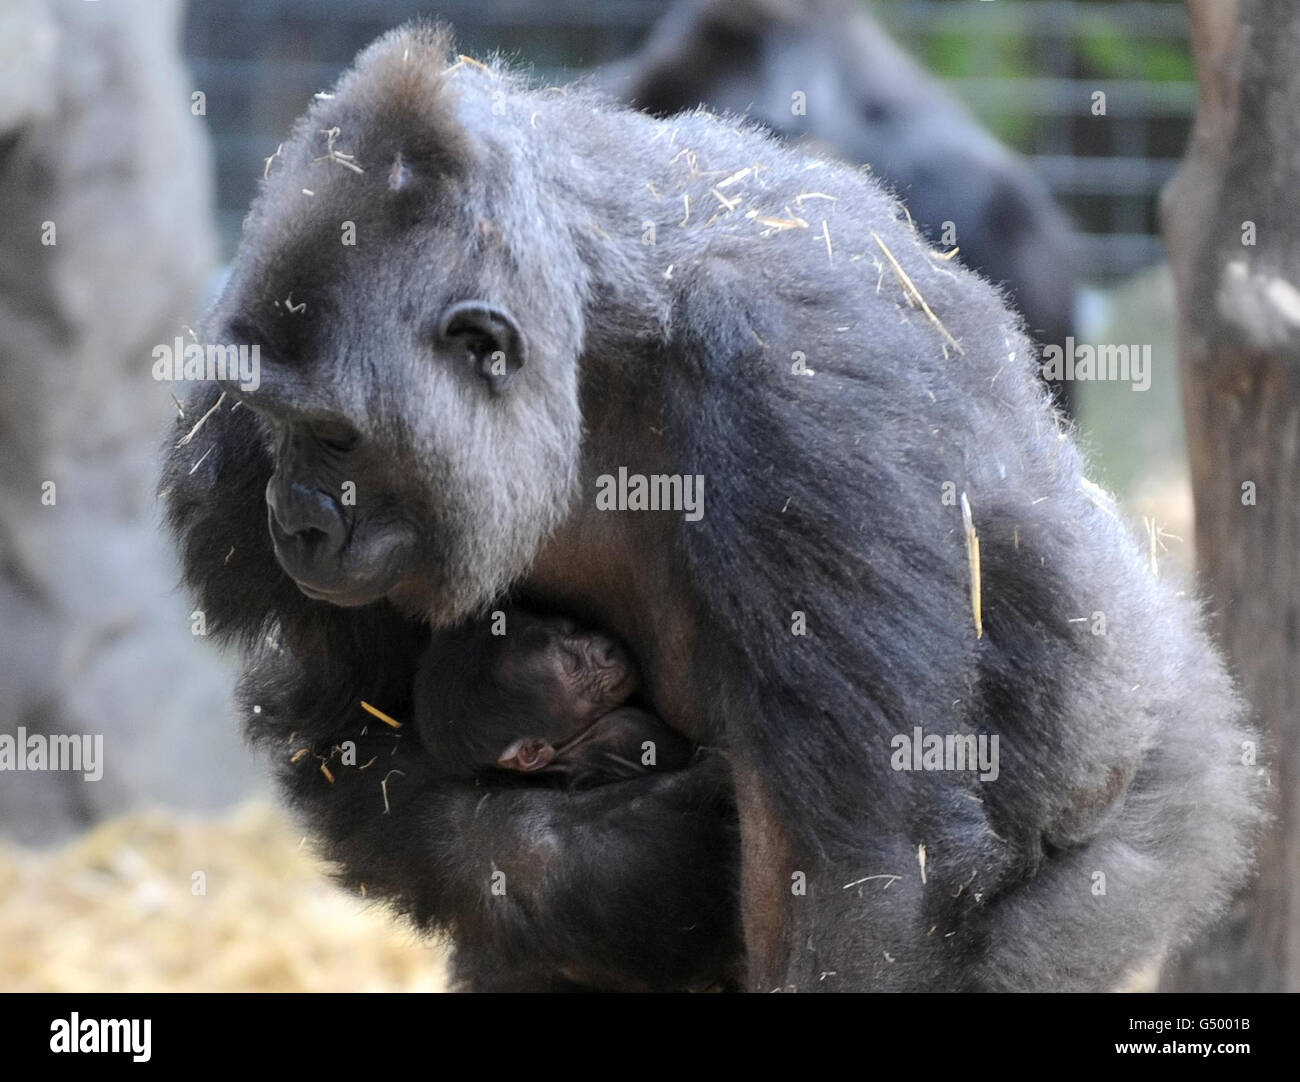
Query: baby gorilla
{"points": [[544, 698]]}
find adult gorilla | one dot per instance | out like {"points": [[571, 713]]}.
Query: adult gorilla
{"points": [[545, 288]]}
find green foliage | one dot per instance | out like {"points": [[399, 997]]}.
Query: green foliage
{"points": [[1105, 50], [964, 46]]}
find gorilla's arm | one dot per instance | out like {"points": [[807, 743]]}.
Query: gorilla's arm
{"points": [[628, 886], [623, 886]]}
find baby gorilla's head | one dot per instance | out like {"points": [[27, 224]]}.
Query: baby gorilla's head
{"points": [[557, 676], [486, 700]]}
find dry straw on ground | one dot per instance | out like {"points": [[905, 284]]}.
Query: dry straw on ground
{"points": [[115, 911]]}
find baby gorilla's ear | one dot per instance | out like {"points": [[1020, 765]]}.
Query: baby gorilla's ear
{"points": [[527, 754]]}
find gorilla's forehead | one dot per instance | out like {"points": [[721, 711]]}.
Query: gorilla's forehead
{"points": [[379, 157], [319, 231]]}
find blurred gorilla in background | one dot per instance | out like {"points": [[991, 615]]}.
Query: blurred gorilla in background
{"points": [[825, 71]]}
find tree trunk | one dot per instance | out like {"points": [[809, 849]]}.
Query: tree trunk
{"points": [[1232, 226]]}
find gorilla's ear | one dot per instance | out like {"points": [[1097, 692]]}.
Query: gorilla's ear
{"points": [[489, 335]]}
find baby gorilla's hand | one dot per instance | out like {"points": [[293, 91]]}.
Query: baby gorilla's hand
{"points": [[527, 754], [625, 743]]}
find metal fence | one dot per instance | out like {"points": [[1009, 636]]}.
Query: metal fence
{"points": [[259, 63], [1107, 170]]}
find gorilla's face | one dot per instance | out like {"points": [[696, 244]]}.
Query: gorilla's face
{"points": [[557, 676], [420, 410]]}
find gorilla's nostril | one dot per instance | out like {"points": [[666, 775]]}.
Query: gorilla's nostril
{"points": [[311, 538], [305, 514]]}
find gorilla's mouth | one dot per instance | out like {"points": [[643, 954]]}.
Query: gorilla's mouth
{"points": [[345, 597], [346, 591], [349, 575]]}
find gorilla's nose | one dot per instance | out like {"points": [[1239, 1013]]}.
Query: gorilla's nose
{"points": [[307, 526]]}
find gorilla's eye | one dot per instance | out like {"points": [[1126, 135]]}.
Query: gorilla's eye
{"points": [[336, 435], [488, 335], [570, 660]]}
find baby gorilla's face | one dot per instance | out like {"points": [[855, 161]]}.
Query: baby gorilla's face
{"points": [[569, 676]]}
